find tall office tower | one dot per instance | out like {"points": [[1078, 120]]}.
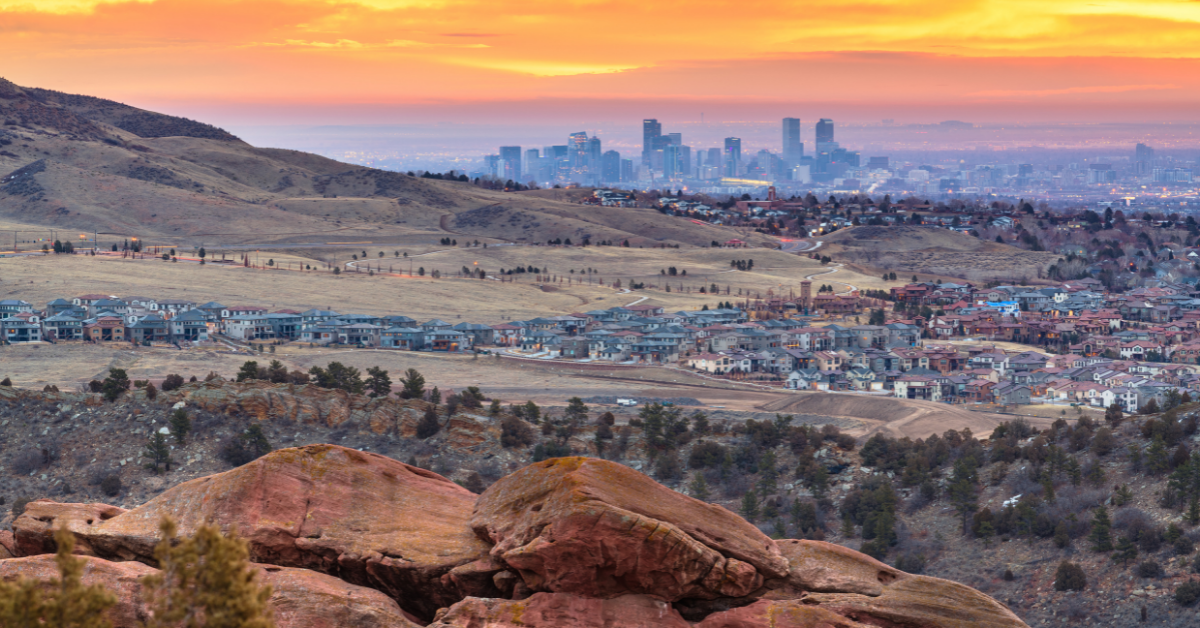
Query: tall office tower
{"points": [[651, 131], [675, 139], [610, 167], [714, 158], [510, 160], [627, 170], [1143, 162], [533, 164], [824, 131], [733, 155], [491, 165], [793, 150], [578, 151], [594, 155], [677, 162], [561, 161]]}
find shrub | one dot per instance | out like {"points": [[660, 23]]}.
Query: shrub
{"points": [[1149, 569], [1184, 546], [429, 424], [911, 563], [1187, 593], [26, 461], [18, 507], [171, 382], [1008, 575], [515, 433], [1069, 577], [111, 485], [545, 451]]}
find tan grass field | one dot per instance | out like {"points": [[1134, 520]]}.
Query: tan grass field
{"points": [[41, 279]]}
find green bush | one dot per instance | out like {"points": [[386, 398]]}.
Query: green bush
{"points": [[1069, 577], [1187, 593]]}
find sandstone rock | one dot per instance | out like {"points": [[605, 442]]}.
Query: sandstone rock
{"points": [[600, 529], [34, 530], [367, 519], [8, 545], [123, 580], [560, 610], [859, 587], [300, 598], [780, 614]]}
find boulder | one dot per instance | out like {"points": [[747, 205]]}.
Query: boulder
{"points": [[780, 614], [599, 529], [299, 599], [856, 586], [34, 530], [560, 610], [123, 580], [8, 545], [365, 518]]}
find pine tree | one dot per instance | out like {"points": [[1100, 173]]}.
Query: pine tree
{"points": [[429, 424], [699, 488], [750, 505], [180, 425], [1062, 536], [413, 385], [1193, 512], [1157, 459], [158, 452], [61, 603], [1101, 535], [1126, 550], [378, 382], [986, 532], [206, 582]]}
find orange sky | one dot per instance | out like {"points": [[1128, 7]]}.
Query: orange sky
{"points": [[1037, 57]]}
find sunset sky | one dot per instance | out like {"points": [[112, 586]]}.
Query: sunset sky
{"points": [[919, 60]]}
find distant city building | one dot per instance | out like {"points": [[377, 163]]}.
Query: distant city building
{"points": [[675, 139], [793, 149], [651, 131], [877, 163], [610, 167], [627, 170], [510, 161], [733, 156], [533, 165], [824, 131]]}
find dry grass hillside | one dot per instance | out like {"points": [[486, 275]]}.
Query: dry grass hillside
{"points": [[88, 164], [932, 251], [897, 418]]}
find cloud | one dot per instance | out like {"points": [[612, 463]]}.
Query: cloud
{"points": [[1096, 89], [350, 44]]}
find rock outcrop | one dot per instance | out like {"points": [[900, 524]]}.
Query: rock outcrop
{"points": [[560, 610], [362, 517], [8, 544], [600, 529], [854, 585], [569, 542], [299, 598]]}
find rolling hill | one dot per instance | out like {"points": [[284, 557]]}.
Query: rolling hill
{"points": [[89, 164]]}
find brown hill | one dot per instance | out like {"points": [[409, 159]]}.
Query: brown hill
{"points": [[89, 164], [935, 251]]}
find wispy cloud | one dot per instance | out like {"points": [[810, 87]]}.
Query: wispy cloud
{"points": [[350, 44], [1095, 89]]}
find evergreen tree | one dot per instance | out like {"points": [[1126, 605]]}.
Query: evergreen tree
{"points": [[378, 382], [180, 425], [205, 581], [750, 505], [576, 413], [699, 487], [1157, 459], [1126, 550], [248, 371], [1101, 535], [429, 424], [60, 603], [158, 452], [413, 385], [115, 384], [1193, 511], [1062, 536]]}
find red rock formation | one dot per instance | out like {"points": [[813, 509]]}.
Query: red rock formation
{"points": [[780, 614], [299, 599], [8, 544], [600, 529], [859, 587], [34, 530], [365, 518], [560, 610]]}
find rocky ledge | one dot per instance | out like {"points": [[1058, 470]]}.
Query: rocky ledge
{"points": [[352, 538]]}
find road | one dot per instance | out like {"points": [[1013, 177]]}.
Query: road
{"points": [[800, 246]]}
